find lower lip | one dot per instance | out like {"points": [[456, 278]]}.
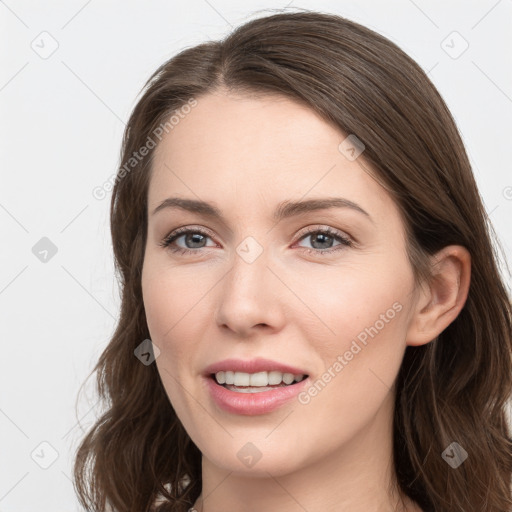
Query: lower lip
{"points": [[252, 404]]}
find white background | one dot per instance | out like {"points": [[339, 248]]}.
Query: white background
{"points": [[62, 120]]}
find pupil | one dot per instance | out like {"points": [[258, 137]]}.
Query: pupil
{"points": [[196, 236], [327, 239]]}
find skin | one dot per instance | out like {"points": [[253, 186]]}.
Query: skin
{"points": [[246, 154]]}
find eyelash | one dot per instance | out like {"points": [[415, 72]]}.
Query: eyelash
{"points": [[344, 241]]}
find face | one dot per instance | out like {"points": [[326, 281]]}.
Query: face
{"points": [[325, 291]]}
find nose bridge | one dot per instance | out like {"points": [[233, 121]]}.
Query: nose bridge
{"points": [[249, 271], [248, 297]]}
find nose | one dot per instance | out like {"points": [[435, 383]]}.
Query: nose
{"points": [[251, 299]]}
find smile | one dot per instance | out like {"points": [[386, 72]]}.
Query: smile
{"points": [[253, 400], [243, 382]]}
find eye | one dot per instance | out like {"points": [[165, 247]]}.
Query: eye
{"points": [[323, 237], [192, 236], [197, 238]]}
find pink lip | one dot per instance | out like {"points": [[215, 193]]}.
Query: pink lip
{"points": [[252, 366], [252, 403]]}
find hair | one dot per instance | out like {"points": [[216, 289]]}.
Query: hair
{"points": [[454, 388]]}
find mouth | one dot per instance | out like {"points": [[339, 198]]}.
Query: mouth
{"points": [[242, 382], [255, 386]]}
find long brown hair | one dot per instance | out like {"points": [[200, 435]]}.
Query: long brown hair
{"points": [[454, 388]]}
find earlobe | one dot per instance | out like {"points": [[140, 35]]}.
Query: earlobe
{"points": [[441, 299]]}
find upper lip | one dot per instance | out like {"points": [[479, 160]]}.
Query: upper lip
{"points": [[252, 366]]}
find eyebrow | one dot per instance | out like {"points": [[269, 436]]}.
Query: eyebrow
{"points": [[284, 209]]}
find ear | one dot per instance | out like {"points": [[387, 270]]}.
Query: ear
{"points": [[440, 300]]}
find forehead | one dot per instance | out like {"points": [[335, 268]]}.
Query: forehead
{"points": [[225, 124], [254, 147]]}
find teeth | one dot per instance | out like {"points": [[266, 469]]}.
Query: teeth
{"points": [[257, 379], [288, 378], [275, 378], [260, 379], [242, 379]]}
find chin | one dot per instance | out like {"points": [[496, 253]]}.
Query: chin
{"points": [[246, 459]]}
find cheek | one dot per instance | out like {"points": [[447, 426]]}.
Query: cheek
{"points": [[359, 369], [366, 351], [169, 297], [350, 301], [364, 323], [172, 307], [169, 301]]}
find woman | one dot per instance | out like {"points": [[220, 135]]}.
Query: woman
{"points": [[312, 312]]}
